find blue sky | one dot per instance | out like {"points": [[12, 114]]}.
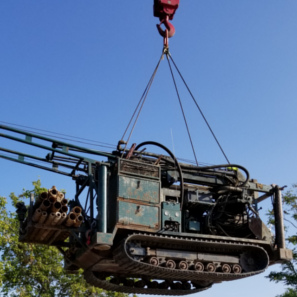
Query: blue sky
{"points": [[80, 67]]}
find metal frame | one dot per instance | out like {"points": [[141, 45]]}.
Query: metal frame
{"points": [[87, 172]]}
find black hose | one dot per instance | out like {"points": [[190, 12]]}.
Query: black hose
{"points": [[195, 168], [176, 163], [229, 165]]}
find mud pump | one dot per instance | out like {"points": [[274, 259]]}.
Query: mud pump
{"points": [[142, 222]]}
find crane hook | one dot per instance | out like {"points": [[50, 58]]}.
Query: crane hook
{"points": [[165, 10], [170, 30]]}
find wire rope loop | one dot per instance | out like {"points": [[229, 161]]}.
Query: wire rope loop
{"points": [[141, 102]]}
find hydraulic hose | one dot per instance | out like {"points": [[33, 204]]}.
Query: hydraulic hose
{"points": [[195, 168], [176, 163], [226, 166]]}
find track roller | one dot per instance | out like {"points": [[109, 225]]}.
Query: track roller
{"points": [[211, 267], [183, 265], [170, 264], [153, 261], [236, 269], [198, 266], [226, 268]]}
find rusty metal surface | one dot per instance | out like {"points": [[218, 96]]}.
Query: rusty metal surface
{"points": [[139, 168], [134, 215], [260, 229], [139, 189]]}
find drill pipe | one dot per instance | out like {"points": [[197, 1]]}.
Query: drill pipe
{"points": [[78, 221], [56, 219], [70, 219], [56, 206], [60, 196], [53, 192], [50, 218], [77, 210], [43, 217], [42, 196], [43, 234], [69, 222], [45, 205], [36, 216], [59, 222], [64, 201], [64, 208], [53, 218], [34, 234], [63, 218], [52, 199]]}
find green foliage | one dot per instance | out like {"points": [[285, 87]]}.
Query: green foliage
{"points": [[289, 293], [35, 270], [288, 275]]}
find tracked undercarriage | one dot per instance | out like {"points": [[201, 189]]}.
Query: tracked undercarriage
{"points": [[164, 265]]}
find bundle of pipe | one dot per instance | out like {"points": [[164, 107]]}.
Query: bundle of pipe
{"points": [[51, 209], [74, 219], [51, 233], [78, 216], [41, 220]]}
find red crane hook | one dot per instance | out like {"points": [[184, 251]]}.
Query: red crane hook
{"points": [[170, 30], [165, 10]]}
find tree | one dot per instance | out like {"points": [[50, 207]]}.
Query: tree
{"points": [[35, 270], [288, 275]]}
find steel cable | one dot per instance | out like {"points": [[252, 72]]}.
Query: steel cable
{"points": [[141, 103], [181, 106], [197, 105]]}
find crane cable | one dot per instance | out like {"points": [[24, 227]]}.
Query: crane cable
{"points": [[140, 105], [144, 96], [197, 105], [181, 107]]}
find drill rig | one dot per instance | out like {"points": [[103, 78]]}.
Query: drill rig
{"points": [[144, 222], [148, 223]]}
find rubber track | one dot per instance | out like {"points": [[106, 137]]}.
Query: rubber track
{"points": [[103, 284], [126, 262]]}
